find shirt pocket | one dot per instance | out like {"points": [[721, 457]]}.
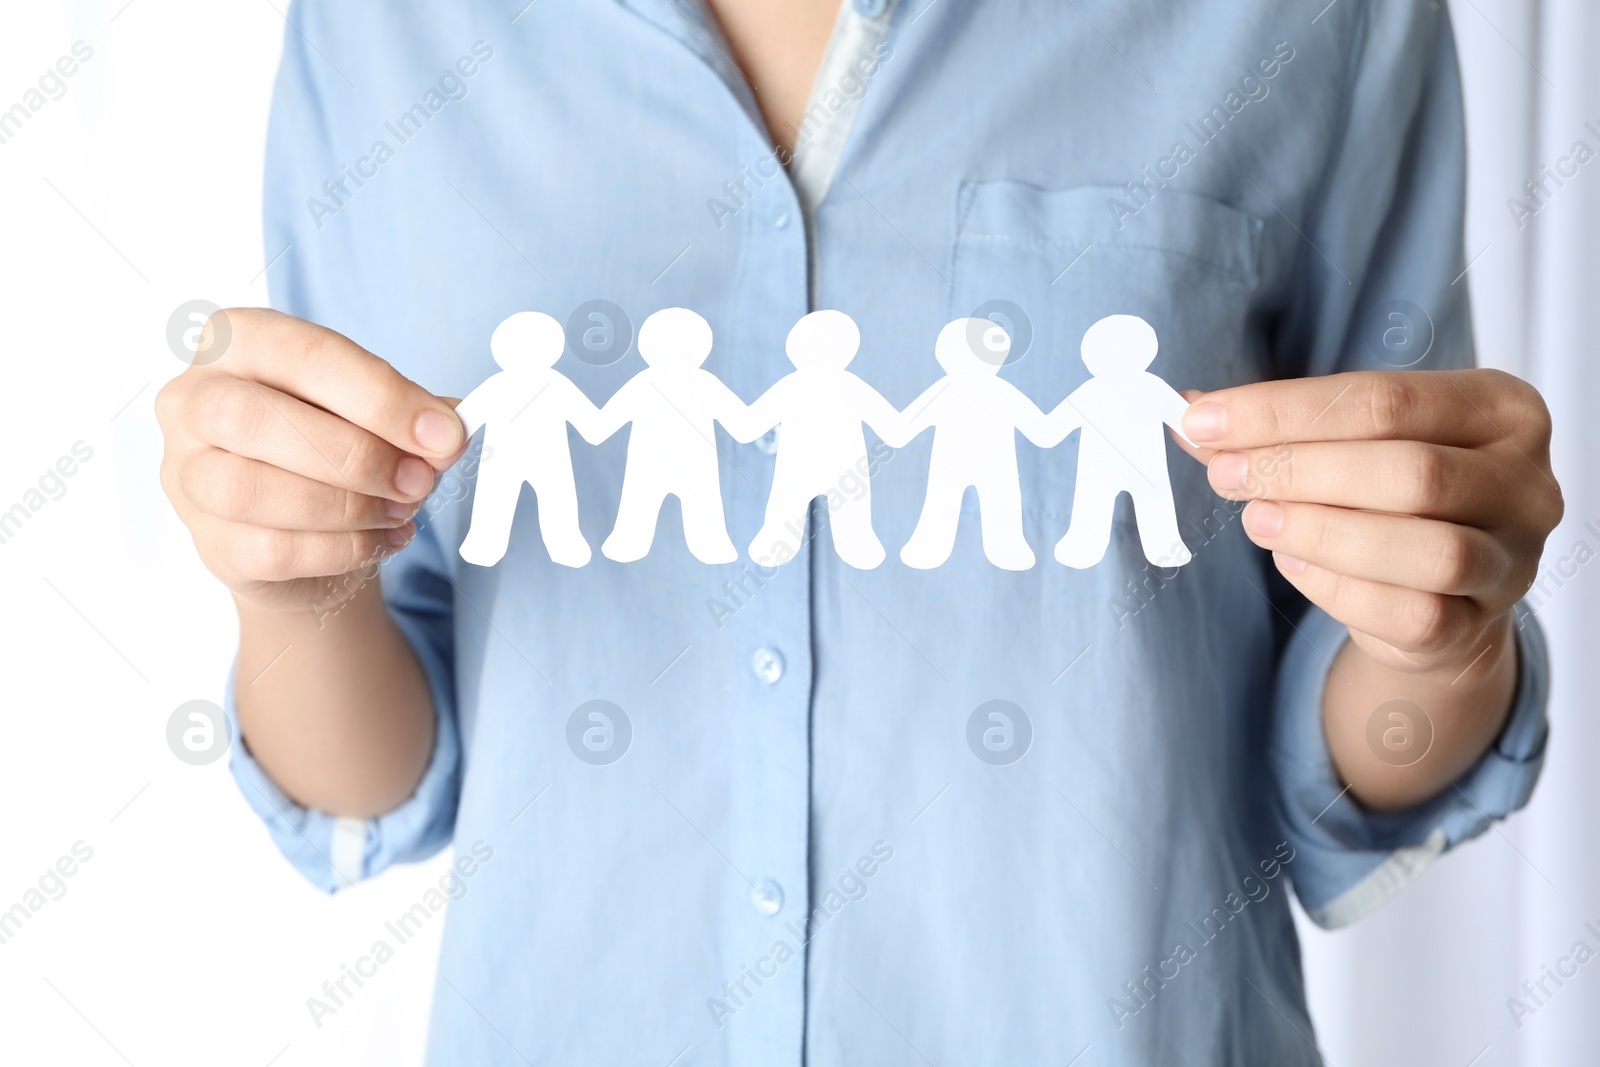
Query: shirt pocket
{"points": [[1046, 264]]}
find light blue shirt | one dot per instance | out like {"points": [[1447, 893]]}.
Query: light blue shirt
{"points": [[797, 828]]}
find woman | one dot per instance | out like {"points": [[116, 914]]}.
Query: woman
{"points": [[742, 814]]}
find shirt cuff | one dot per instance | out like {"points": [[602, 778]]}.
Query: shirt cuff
{"points": [[1349, 861], [334, 852]]}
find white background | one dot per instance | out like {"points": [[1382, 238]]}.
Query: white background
{"points": [[187, 940]]}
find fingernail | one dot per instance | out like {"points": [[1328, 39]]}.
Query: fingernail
{"points": [[437, 432], [1228, 470], [400, 536], [398, 510], [1205, 422], [1263, 518], [413, 477], [1289, 564]]}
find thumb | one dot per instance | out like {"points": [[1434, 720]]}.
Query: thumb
{"points": [[445, 463]]}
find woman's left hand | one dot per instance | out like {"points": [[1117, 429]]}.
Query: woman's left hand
{"points": [[1412, 506]]}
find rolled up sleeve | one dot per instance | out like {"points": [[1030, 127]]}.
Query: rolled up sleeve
{"points": [[1349, 861], [334, 852]]}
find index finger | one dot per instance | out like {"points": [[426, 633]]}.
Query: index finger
{"points": [[334, 373], [1435, 406]]}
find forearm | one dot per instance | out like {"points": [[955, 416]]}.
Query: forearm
{"points": [[334, 705], [1466, 703]]}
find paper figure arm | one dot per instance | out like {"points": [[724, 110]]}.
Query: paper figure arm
{"points": [[1035, 425], [919, 414], [892, 426], [1063, 419], [613, 415], [474, 410], [764, 414], [1173, 405], [582, 413], [740, 419]]}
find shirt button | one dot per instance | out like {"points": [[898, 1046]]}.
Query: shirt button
{"points": [[768, 665], [768, 442], [871, 9], [780, 219], [767, 897]]}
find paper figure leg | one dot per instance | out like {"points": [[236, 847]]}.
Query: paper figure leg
{"points": [[1158, 527], [494, 504], [704, 527], [637, 515], [783, 529], [935, 536], [558, 518], [1000, 511], [1089, 533], [853, 537]]}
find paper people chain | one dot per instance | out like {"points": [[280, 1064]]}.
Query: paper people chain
{"points": [[819, 409]]}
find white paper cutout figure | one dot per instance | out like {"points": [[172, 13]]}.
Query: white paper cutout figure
{"points": [[819, 408], [673, 404], [526, 408], [976, 415], [1121, 410]]}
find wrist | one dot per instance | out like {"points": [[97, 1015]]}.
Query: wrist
{"points": [[314, 605], [1456, 710], [1479, 659]]}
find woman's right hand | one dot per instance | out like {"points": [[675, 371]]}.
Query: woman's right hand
{"points": [[298, 456]]}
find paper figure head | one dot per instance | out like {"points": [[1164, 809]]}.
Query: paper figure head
{"points": [[823, 340], [972, 346], [675, 339], [1119, 344], [527, 341]]}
